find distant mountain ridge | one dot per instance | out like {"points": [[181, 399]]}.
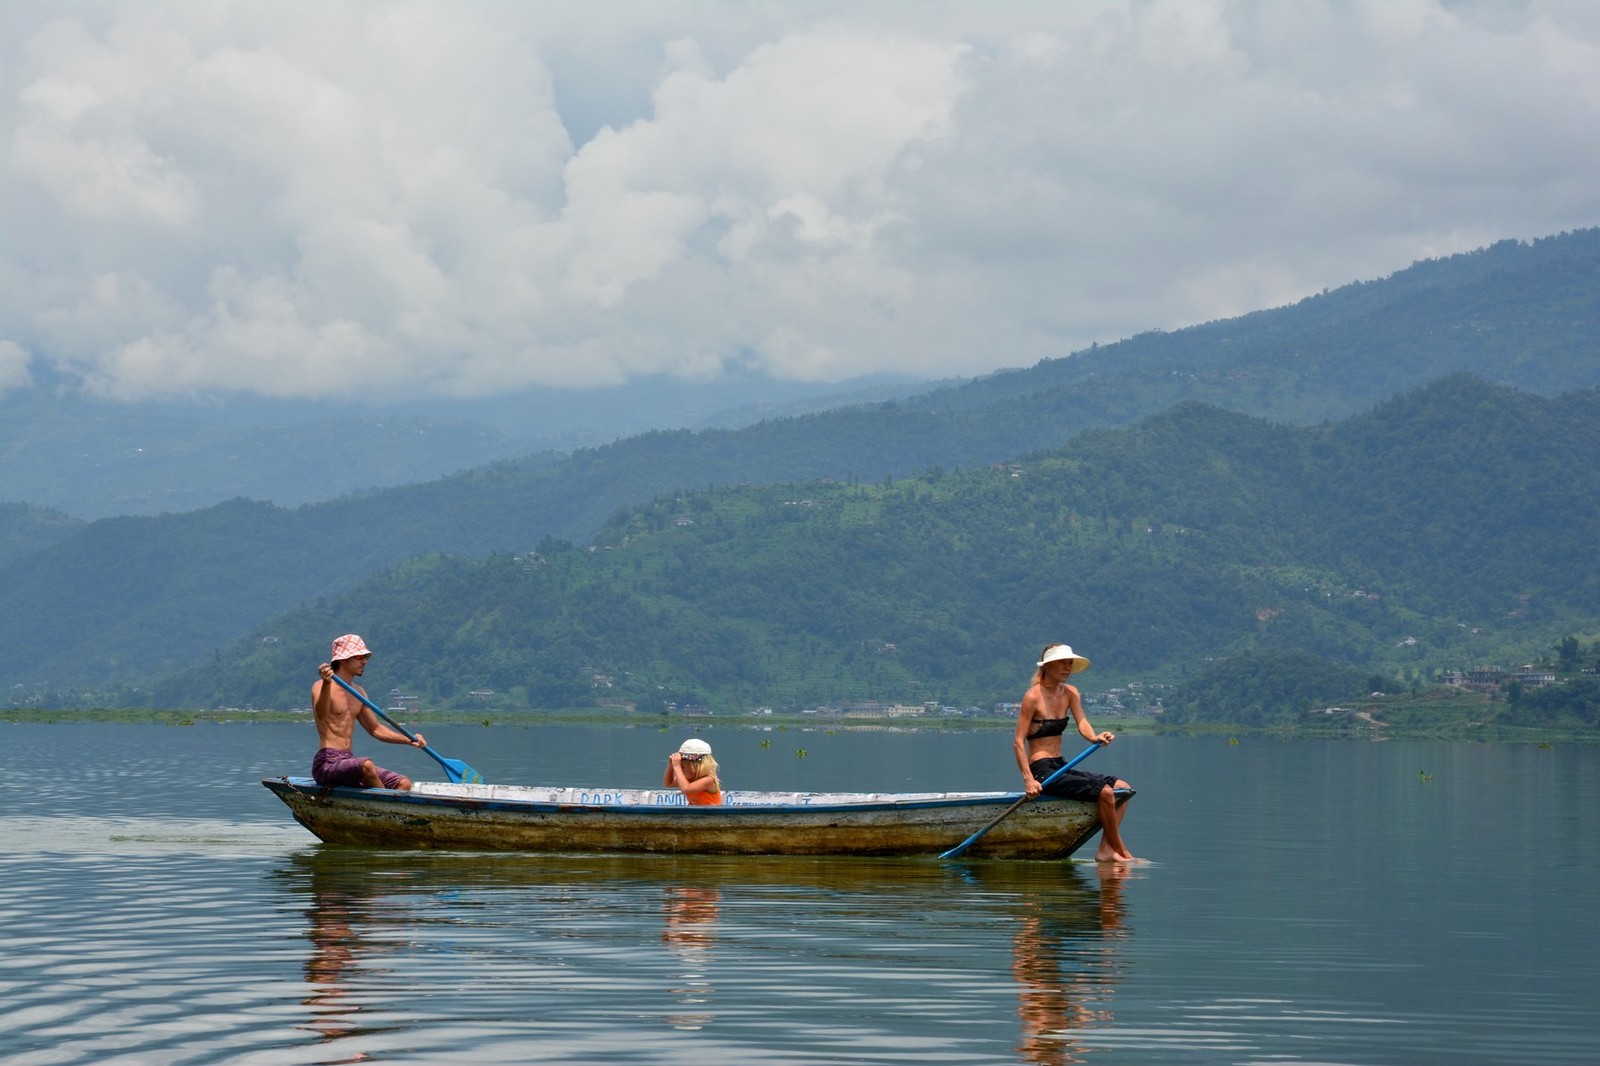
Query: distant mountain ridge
{"points": [[1520, 314], [1195, 535], [25, 530], [124, 600], [1523, 314], [95, 459]]}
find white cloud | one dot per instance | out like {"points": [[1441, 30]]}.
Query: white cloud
{"points": [[416, 198], [13, 367]]}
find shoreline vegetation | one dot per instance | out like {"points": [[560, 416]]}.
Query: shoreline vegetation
{"points": [[1394, 718]]}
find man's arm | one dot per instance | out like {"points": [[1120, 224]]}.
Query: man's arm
{"points": [[322, 693], [380, 731]]}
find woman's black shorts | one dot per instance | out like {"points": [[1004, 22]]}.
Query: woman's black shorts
{"points": [[1074, 784]]}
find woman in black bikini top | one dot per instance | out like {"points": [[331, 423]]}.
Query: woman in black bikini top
{"points": [[1049, 708], [1051, 727]]}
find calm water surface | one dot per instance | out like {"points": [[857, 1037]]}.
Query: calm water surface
{"points": [[1307, 902]]}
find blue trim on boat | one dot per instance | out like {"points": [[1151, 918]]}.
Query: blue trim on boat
{"points": [[309, 786]]}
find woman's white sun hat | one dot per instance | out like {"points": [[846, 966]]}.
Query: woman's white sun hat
{"points": [[1064, 651], [694, 747]]}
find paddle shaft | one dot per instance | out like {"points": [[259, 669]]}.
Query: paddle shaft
{"points": [[456, 769], [961, 848]]}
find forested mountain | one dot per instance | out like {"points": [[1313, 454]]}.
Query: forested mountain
{"points": [[1267, 688], [26, 530], [1445, 527], [95, 458], [124, 599], [1525, 315], [1520, 314]]}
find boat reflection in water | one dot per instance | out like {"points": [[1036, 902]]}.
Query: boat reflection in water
{"points": [[498, 953]]}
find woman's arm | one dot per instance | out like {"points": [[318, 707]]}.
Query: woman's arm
{"points": [[1019, 739], [1085, 730]]}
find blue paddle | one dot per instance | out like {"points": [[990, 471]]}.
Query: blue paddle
{"points": [[454, 769], [961, 848]]}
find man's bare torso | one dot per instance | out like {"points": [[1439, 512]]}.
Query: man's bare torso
{"points": [[336, 726]]}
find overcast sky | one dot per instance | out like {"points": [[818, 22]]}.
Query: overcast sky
{"points": [[410, 199]]}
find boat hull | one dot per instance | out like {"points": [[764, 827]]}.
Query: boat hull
{"points": [[525, 819]]}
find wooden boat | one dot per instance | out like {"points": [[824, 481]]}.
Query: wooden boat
{"points": [[537, 819]]}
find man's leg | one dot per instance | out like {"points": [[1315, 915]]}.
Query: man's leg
{"points": [[372, 777], [369, 774]]}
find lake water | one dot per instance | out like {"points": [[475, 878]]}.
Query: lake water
{"points": [[1306, 902]]}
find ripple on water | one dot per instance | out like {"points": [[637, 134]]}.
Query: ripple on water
{"points": [[186, 944], [1333, 912]]}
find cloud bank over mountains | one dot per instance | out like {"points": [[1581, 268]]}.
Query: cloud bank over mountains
{"points": [[411, 199]]}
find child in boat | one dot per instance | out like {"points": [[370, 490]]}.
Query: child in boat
{"points": [[692, 771]]}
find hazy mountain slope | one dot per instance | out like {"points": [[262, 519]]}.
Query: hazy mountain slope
{"points": [[97, 458], [25, 530], [1522, 314], [116, 600], [1528, 308], [1526, 315], [1193, 535], [122, 598]]}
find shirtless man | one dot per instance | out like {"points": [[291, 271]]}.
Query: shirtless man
{"points": [[337, 713], [1050, 707]]}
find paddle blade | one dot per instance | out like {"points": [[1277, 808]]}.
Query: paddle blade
{"points": [[460, 773]]}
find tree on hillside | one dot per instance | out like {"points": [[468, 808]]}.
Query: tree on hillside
{"points": [[1263, 689]]}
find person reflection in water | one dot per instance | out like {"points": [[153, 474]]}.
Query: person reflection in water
{"points": [[693, 771], [332, 966], [1064, 959], [689, 932]]}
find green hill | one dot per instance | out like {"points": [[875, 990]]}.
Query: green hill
{"points": [[1449, 526], [1520, 314], [25, 530], [123, 600]]}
